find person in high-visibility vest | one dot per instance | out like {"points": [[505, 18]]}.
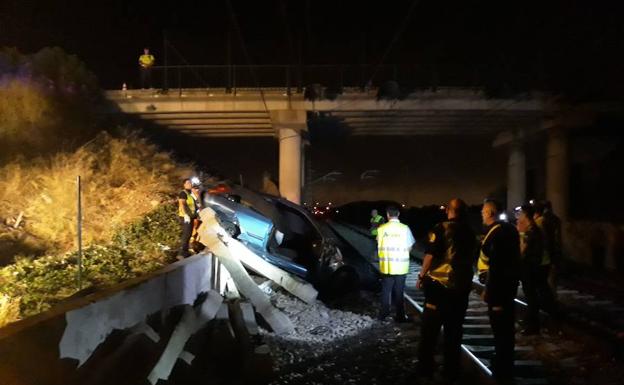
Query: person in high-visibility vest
{"points": [[187, 211], [394, 242], [196, 193], [498, 268], [535, 267], [375, 221], [146, 62], [446, 278]]}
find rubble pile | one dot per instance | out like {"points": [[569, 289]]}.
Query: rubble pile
{"points": [[318, 329]]}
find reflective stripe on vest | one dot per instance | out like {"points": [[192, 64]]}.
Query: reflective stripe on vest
{"points": [[393, 249], [190, 202], [484, 261]]}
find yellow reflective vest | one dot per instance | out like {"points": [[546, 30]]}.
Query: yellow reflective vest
{"points": [[376, 221], [546, 254], [394, 241], [190, 202], [483, 265], [146, 61]]}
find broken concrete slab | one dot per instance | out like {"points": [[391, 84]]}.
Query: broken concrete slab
{"points": [[192, 320], [217, 240]]}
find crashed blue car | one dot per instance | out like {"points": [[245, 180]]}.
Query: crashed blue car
{"points": [[289, 237]]}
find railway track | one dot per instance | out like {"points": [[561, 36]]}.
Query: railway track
{"points": [[478, 338]]}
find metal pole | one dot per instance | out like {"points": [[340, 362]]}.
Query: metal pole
{"points": [[79, 232]]}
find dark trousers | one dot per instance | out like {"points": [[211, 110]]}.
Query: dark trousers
{"points": [[392, 287], [502, 317], [146, 77], [443, 307], [187, 230], [538, 294]]}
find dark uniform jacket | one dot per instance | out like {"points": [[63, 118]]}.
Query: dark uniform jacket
{"points": [[502, 248], [453, 246], [532, 246]]}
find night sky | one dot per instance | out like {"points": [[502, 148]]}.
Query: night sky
{"points": [[564, 46], [568, 48]]}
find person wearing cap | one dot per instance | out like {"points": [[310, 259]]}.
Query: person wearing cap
{"points": [[196, 193], [187, 212], [446, 279]]}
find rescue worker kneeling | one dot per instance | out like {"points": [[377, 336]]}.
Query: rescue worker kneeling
{"points": [[446, 278]]}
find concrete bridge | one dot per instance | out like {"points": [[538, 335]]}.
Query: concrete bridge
{"points": [[276, 112]]}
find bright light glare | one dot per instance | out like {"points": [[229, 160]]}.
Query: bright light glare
{"points": [[195, 180], [502, 217]]}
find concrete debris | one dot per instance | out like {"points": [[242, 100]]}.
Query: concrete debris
{"points": [[318, 330], [191, 322], [217, 240]]}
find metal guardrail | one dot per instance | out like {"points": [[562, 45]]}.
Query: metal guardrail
{"points": [[292, 78]]}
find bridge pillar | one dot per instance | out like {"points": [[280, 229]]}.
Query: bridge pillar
{"points": [[288, 125], [557, 171], [516, 175]]}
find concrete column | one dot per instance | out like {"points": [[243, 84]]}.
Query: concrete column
{"points": [[557, 171], [290, 164], [516, 175], [288, 125]]}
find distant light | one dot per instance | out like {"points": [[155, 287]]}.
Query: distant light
{"points": [[284, 94], [442, 207], [305, 203], [337, 211], [532, 202], [326, 207], [330, 203], [210, 95], [402, 204], [317, 203], [502, 217], [195, 180], [518, 208]]}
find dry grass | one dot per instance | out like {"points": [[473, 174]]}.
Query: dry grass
{"points": [[122, 180], [9, 309]]}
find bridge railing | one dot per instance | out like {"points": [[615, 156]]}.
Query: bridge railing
{"points": [[290, 78]]}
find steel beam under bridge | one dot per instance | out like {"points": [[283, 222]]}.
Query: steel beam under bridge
{"points": [[274, 112]]}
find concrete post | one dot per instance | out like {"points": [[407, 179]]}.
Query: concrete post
{"points": [[557, 171], [516, 175], [289, 124]]}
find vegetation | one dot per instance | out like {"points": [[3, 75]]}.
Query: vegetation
{"points": [[47, 102], [30, 286], [48, 137]]}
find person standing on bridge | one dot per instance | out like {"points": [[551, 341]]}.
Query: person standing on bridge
{"points": [[146, 62], [394, 243], [446, 278], [187, 212], [375, 221], [498, 267]]}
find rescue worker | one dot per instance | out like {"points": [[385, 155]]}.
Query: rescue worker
{"points": [[534, 284], [375, 221], [146, 62], [394, 242], [446, 278], [551, 228], [197, 197], [498, 270], [187, 211]]}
